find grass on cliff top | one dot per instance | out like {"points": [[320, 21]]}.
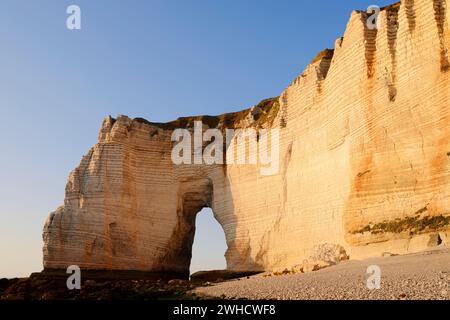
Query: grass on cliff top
{"points": [[325, 53], [392, 7], [413, 225], [269, 109]]}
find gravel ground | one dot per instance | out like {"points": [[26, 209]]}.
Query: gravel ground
{"points": [[423, 275]]}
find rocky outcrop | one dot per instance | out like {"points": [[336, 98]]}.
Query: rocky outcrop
{"points": [[364, 164]]}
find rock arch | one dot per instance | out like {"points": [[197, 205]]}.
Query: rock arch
{"points": [[194, 194]]}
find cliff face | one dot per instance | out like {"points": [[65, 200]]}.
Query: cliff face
{"points": [[364, 163]]}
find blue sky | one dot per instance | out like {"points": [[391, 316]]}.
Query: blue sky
{"points": [[152, 59]]}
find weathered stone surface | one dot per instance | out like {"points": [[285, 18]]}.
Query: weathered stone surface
{"points": [[364, 164]]}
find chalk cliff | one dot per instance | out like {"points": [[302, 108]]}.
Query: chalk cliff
{"points": [[364, 165]]}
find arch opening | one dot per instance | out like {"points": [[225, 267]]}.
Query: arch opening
{"points": [[209, 244]]}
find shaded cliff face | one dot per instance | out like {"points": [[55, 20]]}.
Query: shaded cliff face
{"points": [[364, 164]]}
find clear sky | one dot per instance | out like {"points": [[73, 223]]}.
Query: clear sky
{"points": [[152, 59]]}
